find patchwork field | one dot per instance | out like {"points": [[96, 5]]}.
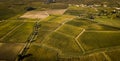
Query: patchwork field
{"points": [[59, 35]]}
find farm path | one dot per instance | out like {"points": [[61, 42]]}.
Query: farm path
{"points": [[106, 56], [79, 44], [62, 25], [30, 39], [102, 31]]}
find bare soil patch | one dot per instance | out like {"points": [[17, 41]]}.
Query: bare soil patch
{"points": [[35, 14], [43, 14]]}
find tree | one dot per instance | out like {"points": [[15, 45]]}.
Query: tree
{"points": [[30, 8]]}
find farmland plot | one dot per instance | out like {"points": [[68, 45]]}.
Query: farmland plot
{"points": [[65, 43], [17, 35], [70, 30], [35, 14], [9, 51], [42, 14], [98, 40], [62, 18], [50, 24], [56, 11], [114, 55], [46, 29], [7, 26], [90, 57], [108, 21], [89, 25], [41, 53]]}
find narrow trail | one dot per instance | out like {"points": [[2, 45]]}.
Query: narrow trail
{"points": [[102, 31], [78, 43], [106, 56], [61, 25], [11, 32]]}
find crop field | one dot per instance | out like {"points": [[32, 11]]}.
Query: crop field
{"points": [[114, 55], [108, 21], [41, 53], [11, 52], [17, 35], [97, 40], [89, 25], [6, 26], [73, 31], [76, 32], [56, 40], [91, 57]]}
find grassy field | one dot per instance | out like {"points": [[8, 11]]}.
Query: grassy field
{"points": [[114, 55], [51, 23], [60, 18], [41, 53], [97, 40], [91, 57], [10, 53], [89, 25], [7, 10], [7, 25], [46, 29], [66, 44], [61, 36], [108, 21], [17, 35], [70, 30], [74, 10]]}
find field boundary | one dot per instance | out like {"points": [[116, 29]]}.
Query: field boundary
{"points": [[78, 43], [102, 31], [61, 25], [106, 56]]}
